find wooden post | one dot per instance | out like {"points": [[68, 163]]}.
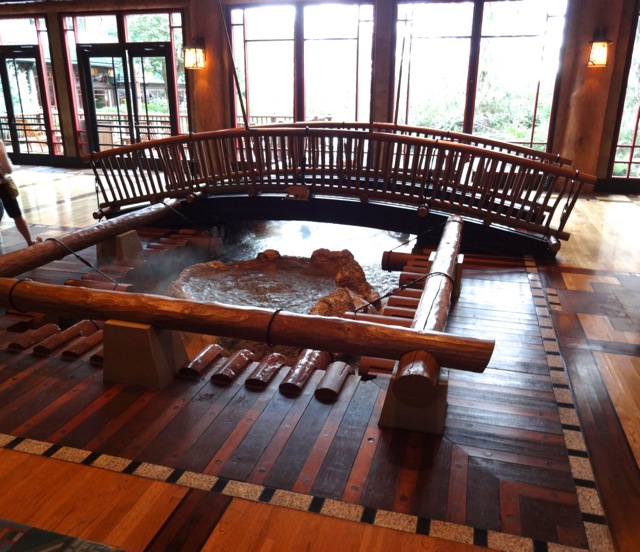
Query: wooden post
{"points": [[417, 396]]}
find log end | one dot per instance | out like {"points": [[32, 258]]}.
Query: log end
{"points": [[417, 378]]}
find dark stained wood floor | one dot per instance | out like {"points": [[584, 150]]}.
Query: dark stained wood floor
{"points": [[532, 454], [501, 466]]}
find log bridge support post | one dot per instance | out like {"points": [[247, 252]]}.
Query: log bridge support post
{"points": [[417, 395]]}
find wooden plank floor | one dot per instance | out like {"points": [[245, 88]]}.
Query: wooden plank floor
{"points": [[511, 470]]}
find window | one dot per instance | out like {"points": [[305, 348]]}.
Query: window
{"points": [[317, 70], [519, 56], [337, 62], [627, 158], [264, 53], [432, 62], [516, 50]]}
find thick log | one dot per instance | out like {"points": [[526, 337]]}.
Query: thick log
{"points": [[417, 372], [253, 323], [264, 372], [308, 361], [331, 383], [396, 260], [202, 361], [233, 367], [29, 258], [55, 341], [419, 377]]}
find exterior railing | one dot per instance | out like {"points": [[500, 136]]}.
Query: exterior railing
{"points": [[529, 195]]}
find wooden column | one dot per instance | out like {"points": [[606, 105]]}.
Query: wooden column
{"points": [[416, 399]]}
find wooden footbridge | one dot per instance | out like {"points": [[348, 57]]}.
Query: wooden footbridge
{"points": [[380, 175]]}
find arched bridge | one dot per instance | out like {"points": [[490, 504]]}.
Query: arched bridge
{"points": [[381, 175]]}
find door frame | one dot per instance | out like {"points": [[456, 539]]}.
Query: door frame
{"points": [[127, 53], [30, 52]]}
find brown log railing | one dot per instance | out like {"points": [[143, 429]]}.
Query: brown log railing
{"points": [[435, 134], [529, 195]]}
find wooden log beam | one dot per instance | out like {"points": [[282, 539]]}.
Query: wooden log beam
{"points": [[258, 324], [417, 375], [29, 258]]}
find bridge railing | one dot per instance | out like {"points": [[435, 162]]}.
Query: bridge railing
{"points": [[429, 174], [434, 134]]}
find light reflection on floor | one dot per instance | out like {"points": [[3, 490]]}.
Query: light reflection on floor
{"points": [[300, 239]]}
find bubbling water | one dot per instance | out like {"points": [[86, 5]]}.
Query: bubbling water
{"points": [[299, 239], [289, 288]]}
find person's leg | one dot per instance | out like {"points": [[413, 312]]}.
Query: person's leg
{"points": [[23, 228]]}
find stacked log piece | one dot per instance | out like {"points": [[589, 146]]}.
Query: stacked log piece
{"points": [[332, 382], [29, 338], [417, 396], [267, 368], [47, 346], [203, 361], [81, 346], [233, 367], [308, 361]]}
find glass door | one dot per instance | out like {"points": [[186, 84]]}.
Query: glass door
{"points": [[24, 124], [129, 94]]}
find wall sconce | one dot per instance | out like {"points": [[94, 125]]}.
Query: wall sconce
{"points": [[194, 54], [599, 49]]}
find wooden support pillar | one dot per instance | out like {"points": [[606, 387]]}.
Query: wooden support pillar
{"points": [[139, 354], [416, 399], [123, 246]]}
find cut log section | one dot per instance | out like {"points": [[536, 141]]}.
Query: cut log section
{"points": [[31, 337], [233, 367], [204, 360], [58, 340], [308, 361], [268, 367], [331, 383], [81, 346]]}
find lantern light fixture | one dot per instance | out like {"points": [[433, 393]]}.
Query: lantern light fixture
{"points": [[194, 54], [599, 49]]}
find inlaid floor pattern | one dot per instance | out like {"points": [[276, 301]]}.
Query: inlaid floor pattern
{"points": [[511, 462]]}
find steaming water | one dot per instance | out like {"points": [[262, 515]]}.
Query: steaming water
{"points": [[300, 239]]}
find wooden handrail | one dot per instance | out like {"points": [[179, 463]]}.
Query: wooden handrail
{"points": [[522, 193], [434, 134]]}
